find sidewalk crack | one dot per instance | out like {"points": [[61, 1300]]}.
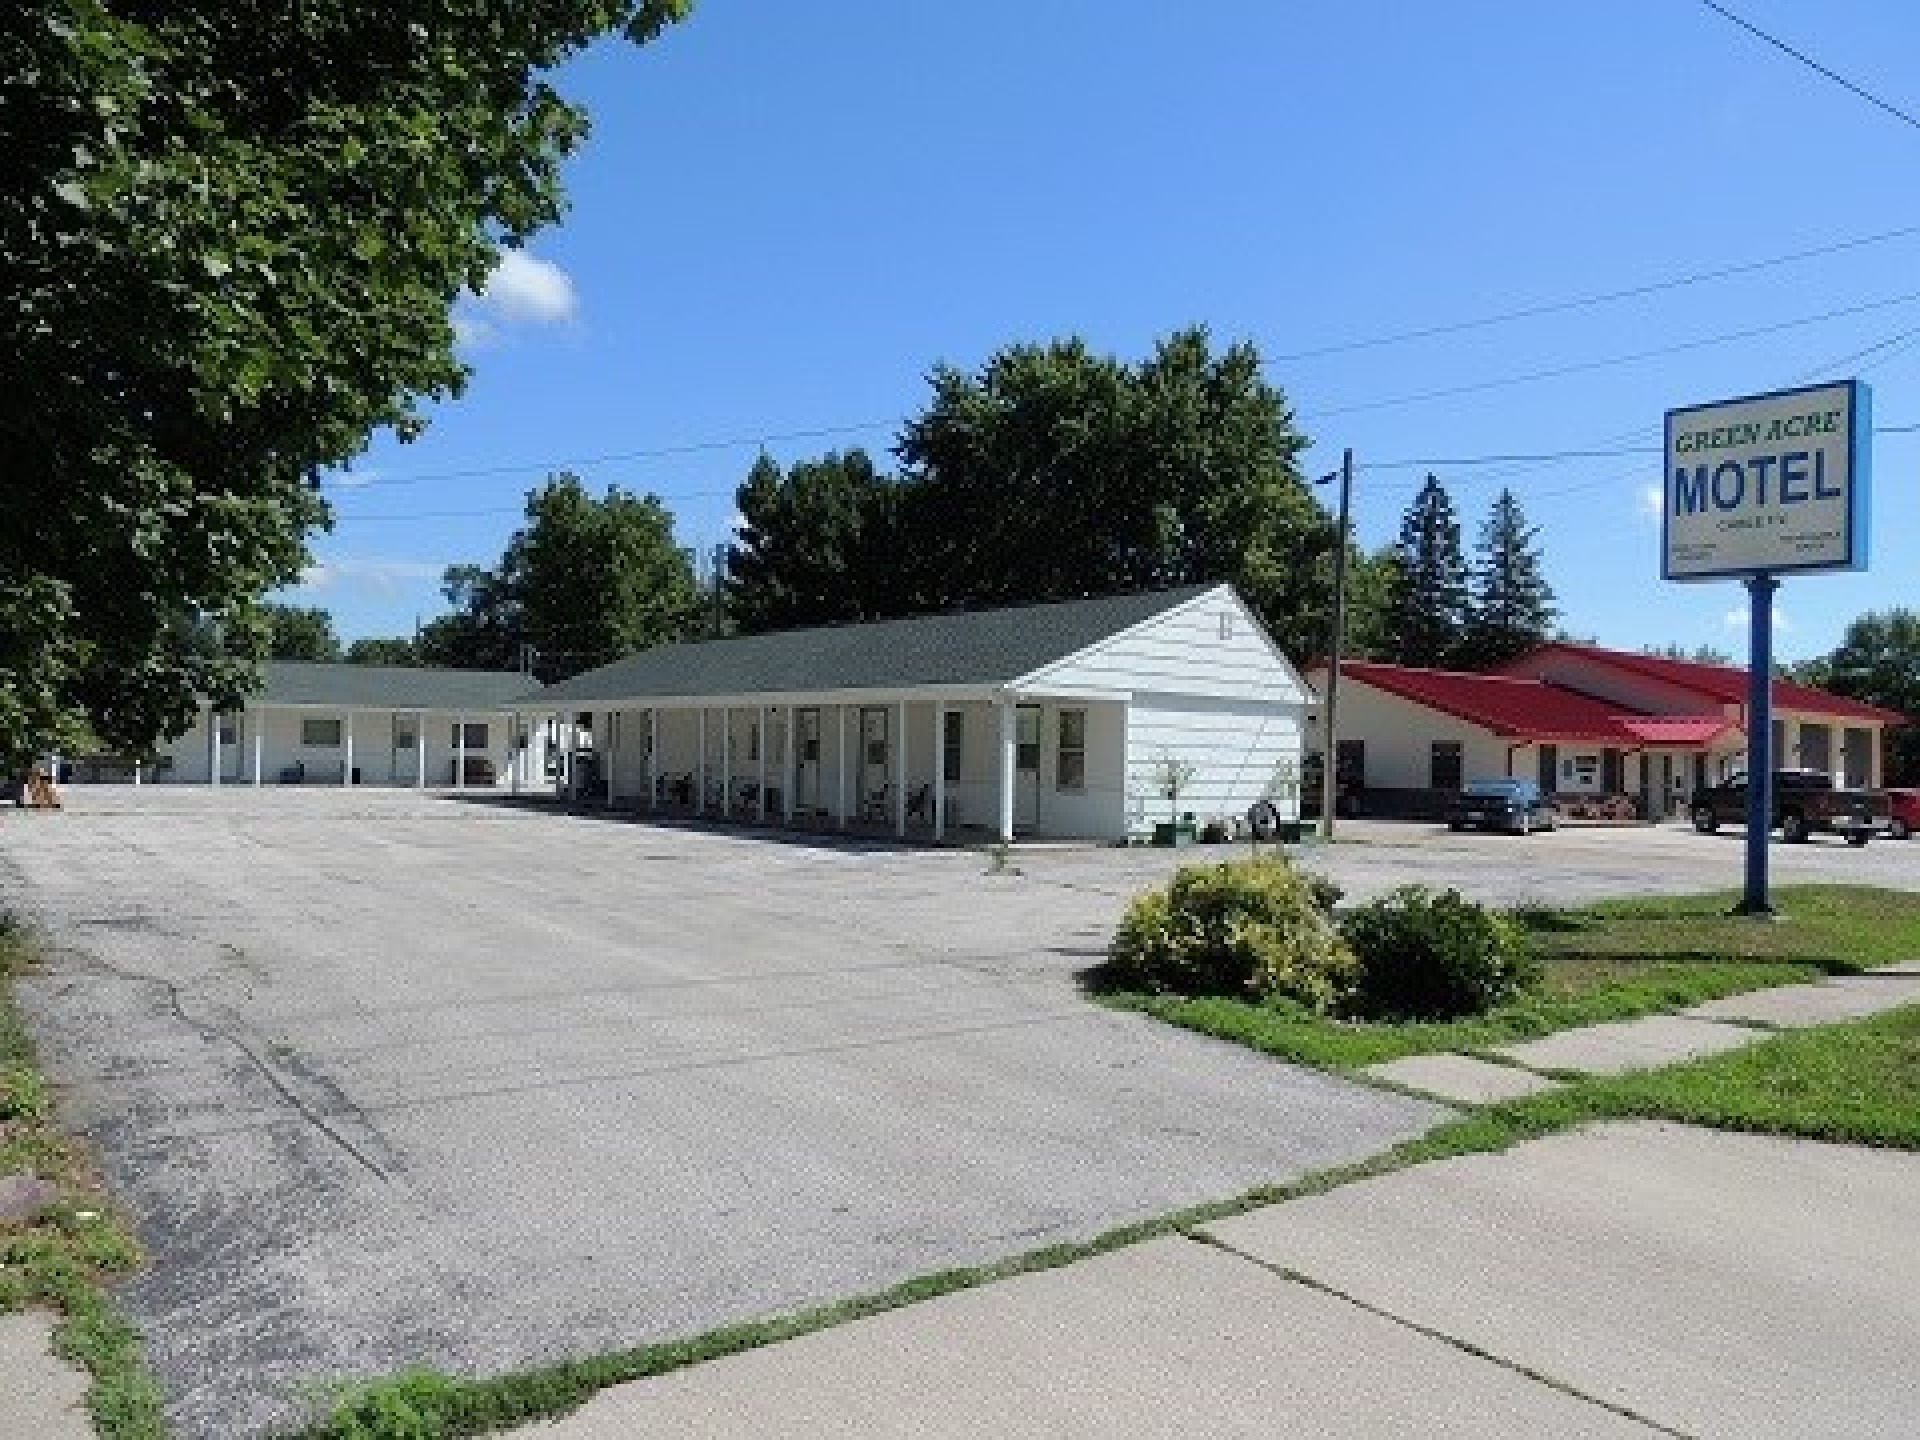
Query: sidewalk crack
{"points": [[1466, 1347]]}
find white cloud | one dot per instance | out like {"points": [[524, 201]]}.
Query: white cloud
{"points": [[352, 479], [379, 575], [1650, 502], [529, 290], [1738, 618]]}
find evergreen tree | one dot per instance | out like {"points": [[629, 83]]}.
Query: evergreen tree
{"points": [[1427, 614], [1511, 609]]}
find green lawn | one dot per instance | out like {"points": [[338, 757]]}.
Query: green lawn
{"points": [[1610, 961]]}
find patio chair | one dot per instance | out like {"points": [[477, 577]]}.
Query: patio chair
{"points": [[920, 803]]}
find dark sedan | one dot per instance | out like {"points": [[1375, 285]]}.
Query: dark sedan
{"points": [[1515, 805]]}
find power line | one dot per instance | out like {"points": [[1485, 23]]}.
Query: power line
{"points": [[1606, 297], [1811, 63], [1582, 367], [692, 447]]}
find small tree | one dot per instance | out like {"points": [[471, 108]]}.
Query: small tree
{"points": [[1173, 775]]}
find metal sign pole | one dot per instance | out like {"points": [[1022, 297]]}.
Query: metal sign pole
{"points": [[1760, 588]]}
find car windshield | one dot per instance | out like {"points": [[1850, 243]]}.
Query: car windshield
{"points": [[1504, 789]]}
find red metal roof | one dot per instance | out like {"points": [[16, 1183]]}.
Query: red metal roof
{"points": [[1523, 709], [1724, 683]]}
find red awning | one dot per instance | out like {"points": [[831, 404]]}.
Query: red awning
{"points": [[1685, 730]]}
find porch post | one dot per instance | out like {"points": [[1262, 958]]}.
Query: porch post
{"points": [[900, 770], [700, 779], [760, 779], [419, 749], [213, 748], [939, 771], [653, 757], [259, 747], [840, 771], [516, 755], [726, 761], [790, 768], [459, 752], [1008, 747], [346, 762]]}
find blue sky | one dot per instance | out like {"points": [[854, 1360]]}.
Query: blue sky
{"points": [[786, 214]]}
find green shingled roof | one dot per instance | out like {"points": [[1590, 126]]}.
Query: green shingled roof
{"points": [[980, 647], [388, 687]]}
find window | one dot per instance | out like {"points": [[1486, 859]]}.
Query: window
{"points": [[1072, 770], [1026, 723], [405, 733], [950, 742], [476, 735], [1446, 765], [229, 729], [320, 733]]}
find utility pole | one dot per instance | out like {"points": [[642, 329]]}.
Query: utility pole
{"points": [[1330, 752]]}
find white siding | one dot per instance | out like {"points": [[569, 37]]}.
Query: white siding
{"points": [[1209, 647], [1236, 749]]}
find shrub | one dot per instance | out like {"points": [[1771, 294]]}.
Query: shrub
{"points": [[1431, 956], [1253, 928]]}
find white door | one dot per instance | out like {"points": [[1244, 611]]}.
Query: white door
{"points": [[806, 758], [875, 764], [1026, 768], [234, 755]]}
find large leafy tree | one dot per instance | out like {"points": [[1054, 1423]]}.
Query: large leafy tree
{"points": [[1427, 614], [1511, 606], [1055, 472], [815, 546], [230, 234], [299, 632], [586, 580], [1878, 661]]}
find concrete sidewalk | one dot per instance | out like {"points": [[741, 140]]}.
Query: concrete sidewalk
{"points": [[1626, 1280]]}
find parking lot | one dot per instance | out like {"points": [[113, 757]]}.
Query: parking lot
{"points": [[390, 1079]]}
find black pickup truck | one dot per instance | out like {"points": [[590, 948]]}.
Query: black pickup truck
{"points": [[1803, 801]]}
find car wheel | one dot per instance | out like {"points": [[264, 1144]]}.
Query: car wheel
{"points": [[1897, 830], [1705, 821], [1456, 826], [1524, 826], [1859, 837], [1793, 828]]}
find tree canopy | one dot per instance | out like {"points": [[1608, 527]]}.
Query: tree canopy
{"points": [[299, 632], [815, 545], [585, 581], [230, 236], [1055, 472]]}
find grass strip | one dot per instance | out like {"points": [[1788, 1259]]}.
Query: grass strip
{"points": [[62, 1258]]}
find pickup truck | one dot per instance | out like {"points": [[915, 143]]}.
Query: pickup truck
{"points": [[1803, 801]]}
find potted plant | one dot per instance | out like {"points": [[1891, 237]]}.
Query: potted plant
{"points": [[1172, 775]]}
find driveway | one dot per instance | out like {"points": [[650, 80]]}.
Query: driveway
{"points": [[393, 1080]]}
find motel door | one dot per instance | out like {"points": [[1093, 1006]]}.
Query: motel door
{"points": [[806, 760], [234, 756], [875, 762], [405, 763], [1026, 768]]}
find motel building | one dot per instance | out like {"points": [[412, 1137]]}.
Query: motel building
{"points": [[1060, 720], [389, 725], [1587, 723]]}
